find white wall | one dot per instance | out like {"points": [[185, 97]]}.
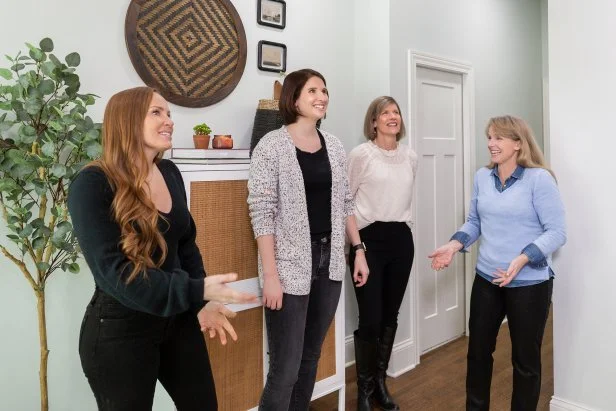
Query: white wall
{"points": [[582, 61], [545, 71], [319, 34]]}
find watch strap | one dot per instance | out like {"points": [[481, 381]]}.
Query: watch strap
{"points": [[360, 246]]}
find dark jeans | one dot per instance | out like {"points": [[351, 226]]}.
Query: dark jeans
{"points": [[390, 252], [527, 311], [123, 352], [295, 335]]}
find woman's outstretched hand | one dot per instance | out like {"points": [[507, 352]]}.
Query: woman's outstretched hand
{"points": [[213, 319], [505, 277], [216, 289], [442, 256]]}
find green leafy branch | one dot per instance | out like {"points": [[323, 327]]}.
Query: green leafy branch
{"points": [[45, 139]]}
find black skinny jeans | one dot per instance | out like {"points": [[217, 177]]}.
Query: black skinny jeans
{"points": [[390, 252], [295, 335], [123, 352], [527, 311]]}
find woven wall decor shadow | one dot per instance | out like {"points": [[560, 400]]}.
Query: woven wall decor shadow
{"points": [[192, 51]]}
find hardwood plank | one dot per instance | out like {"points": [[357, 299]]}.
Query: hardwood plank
{"points": [[438, 382]]}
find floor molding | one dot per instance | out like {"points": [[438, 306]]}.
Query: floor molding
{"points": [[402, 353], [402, 358], [349, 351], [559, 404]]}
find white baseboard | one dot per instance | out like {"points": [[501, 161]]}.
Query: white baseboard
{"points": [[559, 404], [349, 351], [402, 356]]}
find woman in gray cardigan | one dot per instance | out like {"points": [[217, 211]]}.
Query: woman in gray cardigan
{"points": [[300, 207]]}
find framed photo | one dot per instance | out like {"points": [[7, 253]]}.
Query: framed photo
{"points": [[272, 13], [272, 56]]}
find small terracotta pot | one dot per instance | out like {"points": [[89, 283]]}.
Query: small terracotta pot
{"points": [[222, 141], [201, 140]]}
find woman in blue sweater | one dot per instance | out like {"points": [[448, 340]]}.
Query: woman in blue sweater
{"points": [[517, 210]]}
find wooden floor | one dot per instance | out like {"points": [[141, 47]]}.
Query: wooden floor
{"points": [[438, 382]]}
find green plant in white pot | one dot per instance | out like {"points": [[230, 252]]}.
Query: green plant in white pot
{"points": [[45, 139]]}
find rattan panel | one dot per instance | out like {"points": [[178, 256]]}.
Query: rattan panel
{"points": [[327, 363], [226, 241], [224, 231], [238, 366], [192, 51]]}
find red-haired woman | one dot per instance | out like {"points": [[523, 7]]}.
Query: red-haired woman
{"points": [[145, 320]]}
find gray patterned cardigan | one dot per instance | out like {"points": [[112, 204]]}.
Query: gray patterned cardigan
{"points": [[277, 205]]}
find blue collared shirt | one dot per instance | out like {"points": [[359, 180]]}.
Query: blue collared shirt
{"points": [[532, 212]]}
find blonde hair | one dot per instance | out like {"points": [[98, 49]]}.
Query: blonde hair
{"points": [[125, 164], [374, 110], [516, 129]]}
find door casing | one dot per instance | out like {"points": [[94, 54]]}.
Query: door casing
{"points": [[406, 353]]}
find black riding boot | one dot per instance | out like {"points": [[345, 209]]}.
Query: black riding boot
{"points": [[381, 395], [365, 364]]}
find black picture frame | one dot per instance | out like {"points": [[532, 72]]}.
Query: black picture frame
{"points": [[272, 13], [272, 56]]}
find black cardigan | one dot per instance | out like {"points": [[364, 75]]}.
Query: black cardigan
{"points": [[174, 288]]}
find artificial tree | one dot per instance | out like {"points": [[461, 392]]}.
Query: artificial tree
{"points": [[45, 139]]}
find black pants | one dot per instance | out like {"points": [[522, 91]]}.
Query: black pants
{"points": [[123, 352], [390, 252], [527, 311], [295, 335]]}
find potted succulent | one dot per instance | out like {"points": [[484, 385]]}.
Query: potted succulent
{"points": [[201, 138]]}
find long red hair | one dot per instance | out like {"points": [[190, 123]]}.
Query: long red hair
{"points": [[126, 166]]}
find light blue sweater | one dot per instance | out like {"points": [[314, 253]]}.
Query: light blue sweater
{"points": [[526, 215]]}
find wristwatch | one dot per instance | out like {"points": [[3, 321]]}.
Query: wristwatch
{"points": [[361, 246]]}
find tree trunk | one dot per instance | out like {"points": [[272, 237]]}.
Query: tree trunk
{"points": [[40, 305]]}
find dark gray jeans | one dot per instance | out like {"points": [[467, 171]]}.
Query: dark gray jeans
{"points": [[295, 335]]}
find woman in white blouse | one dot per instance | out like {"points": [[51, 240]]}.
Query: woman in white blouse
{"points": [[382, 179]]}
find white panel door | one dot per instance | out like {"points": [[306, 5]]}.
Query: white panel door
{"points": [[440, 207]]}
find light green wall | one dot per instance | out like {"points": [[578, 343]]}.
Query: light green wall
{"points": [[501, 39]]}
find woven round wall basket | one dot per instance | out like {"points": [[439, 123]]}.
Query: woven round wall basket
{"points": [[192, 51]]}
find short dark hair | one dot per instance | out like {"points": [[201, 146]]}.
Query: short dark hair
{"points": [[291, 88]]}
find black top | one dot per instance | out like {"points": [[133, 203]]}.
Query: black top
{"points": [[317, 175], [174, 288]]}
